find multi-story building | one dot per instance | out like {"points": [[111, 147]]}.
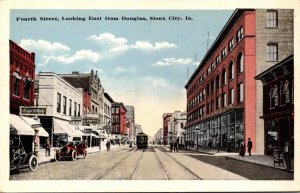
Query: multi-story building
{"points": [[93, 92], [118, 117], [130, 118], [166, 119], [222, 94], [278, 104], [138, 129], [63, 102], [22, 75], [176, 125], [107, 109]]}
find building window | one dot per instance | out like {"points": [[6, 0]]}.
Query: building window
{"points": [[239, 34], [64, 105], [241, 92], [70, 107], [218, 60], [285, 93], [272, 52], [272, 18], [224, 77], [27, 86], [218, 104], [78, 110], [207, 91], [231, 71], [240, 63], [212, 87], [212, 66], [58, 107], [181, 125], [273, 96], [75, 109], [218, 82], [212, 106], [224, 98], [117, 119], [203, 94], [207, 108], [17, 87], [208, 70], [223, 53], [231, 44], [231, 96]]}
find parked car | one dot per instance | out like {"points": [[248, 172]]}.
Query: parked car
{"points": [[21, 157], [71, 151]]}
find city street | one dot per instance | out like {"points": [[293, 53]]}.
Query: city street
{"points": [[154, 163]]}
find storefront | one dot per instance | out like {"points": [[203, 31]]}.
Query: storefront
{"points": [[227, 128]]}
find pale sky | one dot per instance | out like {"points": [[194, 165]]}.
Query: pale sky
{"points": [[140, 63]]}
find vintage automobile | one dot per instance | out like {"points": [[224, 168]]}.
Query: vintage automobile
{"points": [[21, 157], [71, 151]]}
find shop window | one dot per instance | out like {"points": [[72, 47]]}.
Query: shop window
{"points": [[224, 77], [272, 18], [239, 34], [231, 71], [273, 97], [272, 134], [240, 63], [58, 105], [272, 52]]}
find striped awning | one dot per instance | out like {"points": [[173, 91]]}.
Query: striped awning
{"points": [[64, 127]]}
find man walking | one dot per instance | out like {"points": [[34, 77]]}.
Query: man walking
{"points": [[176, 145], [249, 146], [47, 144]]}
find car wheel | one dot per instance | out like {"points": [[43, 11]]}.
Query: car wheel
{"points": [[33, 163], [84, 154], [74, 155]]}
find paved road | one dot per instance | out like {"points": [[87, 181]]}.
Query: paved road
{"points": [[133, 164]]}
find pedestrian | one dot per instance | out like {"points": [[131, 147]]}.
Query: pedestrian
{"points": [[107, 145], [249, 146], [47, 145], [209, 145], [176, 145], [218, 146], [171, 146], [242, 149], [287, 155]]}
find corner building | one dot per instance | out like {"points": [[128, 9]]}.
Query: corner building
{"points": [[222, 95]]}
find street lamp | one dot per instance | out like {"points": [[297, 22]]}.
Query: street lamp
{"points": [[196, 133]]}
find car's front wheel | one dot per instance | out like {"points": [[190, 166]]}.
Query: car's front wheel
{"points": [[73, 155], [33, 163]]}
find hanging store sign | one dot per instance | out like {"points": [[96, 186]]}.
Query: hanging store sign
{"points": [[32, 110], [87, 120]]}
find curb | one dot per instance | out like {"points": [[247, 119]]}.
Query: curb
{"points": [[259, 164]]}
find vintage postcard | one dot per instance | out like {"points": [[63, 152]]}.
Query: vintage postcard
{"points": [[154, 96]]}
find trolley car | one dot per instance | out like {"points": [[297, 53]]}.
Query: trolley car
{"points": [[141, 140]]}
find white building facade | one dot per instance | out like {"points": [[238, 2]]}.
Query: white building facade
{"points": [[176, 126]]}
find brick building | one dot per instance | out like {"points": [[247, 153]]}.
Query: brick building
{"points": [[22, 70], [166, 119], [222, 92], [118, 117]]}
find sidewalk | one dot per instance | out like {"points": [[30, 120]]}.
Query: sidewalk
{"points": [[43, 159], [258, 159]]}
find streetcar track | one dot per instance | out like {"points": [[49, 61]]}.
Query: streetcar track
{"points": [[183, 166], [137, 165], [160, 164], [99, 177]]}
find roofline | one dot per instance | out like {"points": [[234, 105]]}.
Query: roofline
{"points": [[108, 97], [287, 59], [209, 52]]}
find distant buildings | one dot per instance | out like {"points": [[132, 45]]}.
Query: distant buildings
{"points": [[176, 126], [224, 102], [166, 119], [130, 122], [118, 117]]}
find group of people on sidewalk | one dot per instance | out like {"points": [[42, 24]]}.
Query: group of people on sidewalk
{"points": [[174, 145], [249, 147]]}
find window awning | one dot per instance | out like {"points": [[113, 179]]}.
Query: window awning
{"points": [[61, 126], [25, 126]]}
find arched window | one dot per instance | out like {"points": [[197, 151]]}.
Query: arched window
{"points": [[273, 97], [212, 87], [240, 63], [218, 82], [231, 71], [207, 90], [224, 77], [284, 93]]}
